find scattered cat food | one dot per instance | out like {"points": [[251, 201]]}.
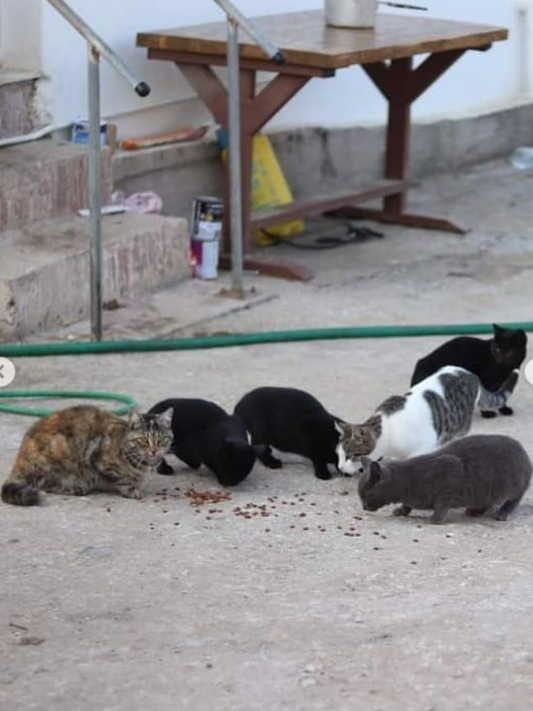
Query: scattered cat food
{"points": [[415, 540], [413, 562], [199, 498]]}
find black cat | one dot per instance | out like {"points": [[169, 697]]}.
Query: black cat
{"points": [[290, 420], [204, 433], [493, 361]]}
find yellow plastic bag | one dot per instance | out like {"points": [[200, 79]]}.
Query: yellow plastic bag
{"points": [[269, 187]]}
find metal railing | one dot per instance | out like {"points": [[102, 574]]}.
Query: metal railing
{"points": [[235, 19], [97, 48]]}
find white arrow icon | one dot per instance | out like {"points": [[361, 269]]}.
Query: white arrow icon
{"points": [[7, 372]]}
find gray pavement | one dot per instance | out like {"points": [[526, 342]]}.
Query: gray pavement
{"points": [[110, 604]]}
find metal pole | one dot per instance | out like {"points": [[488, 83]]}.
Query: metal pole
{"points": [[234, 125], [95, 195], [236, 15]]}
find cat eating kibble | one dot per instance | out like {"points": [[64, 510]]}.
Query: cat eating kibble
{"points": [[482, 473], [205, 434], [433, 412], [290, 420]]}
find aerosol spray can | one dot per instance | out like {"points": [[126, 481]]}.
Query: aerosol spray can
{"points": [[207, 215]]}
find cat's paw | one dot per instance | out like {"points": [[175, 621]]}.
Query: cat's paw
{"points": [[402, 510], [165, 468], [500, 515], [325, 475], [506, 410], [475, 512], [488, 414], [130, 492], [272, 463]]}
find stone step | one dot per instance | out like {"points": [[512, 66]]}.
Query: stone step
{"points": [[44, 269], [44, 180], [19, 104]]}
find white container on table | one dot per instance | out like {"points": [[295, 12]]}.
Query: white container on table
{"points": [[351, 13]]}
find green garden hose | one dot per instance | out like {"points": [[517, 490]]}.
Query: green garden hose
{"points": [[31, 350], [129, 402]]}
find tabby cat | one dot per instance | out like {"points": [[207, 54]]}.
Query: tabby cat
{"points": [[204, 433], [493, 360], [484, 473], [83, 449], [433, 412], [290, 420]]}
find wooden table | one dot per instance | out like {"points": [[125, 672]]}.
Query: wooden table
{"points": [[314, 50]]}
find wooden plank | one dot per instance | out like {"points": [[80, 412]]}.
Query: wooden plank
{"points": [[307, 41], [220, 60], [322, 203]]}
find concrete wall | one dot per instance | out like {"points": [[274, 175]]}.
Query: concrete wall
{"points": [[20, 33], [478, 82], [315, 160]]}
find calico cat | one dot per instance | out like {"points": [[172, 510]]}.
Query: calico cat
{"points": [[433, 412], [290, 420], [204, 433], [484, 473], [83, 449], [493, 361]]}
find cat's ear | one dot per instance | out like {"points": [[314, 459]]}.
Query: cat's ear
{"points": [[375, 473], [135, 419], [497, 330]]}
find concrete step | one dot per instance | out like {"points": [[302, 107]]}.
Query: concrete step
{"points": [[19, 104], [45, 180], [44, 269]]}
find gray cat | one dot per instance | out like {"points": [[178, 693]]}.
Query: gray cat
{"points": [[484, 473], [433, 412]]}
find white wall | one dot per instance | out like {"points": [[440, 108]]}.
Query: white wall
{"points": [[477, 82], [20, 33]]}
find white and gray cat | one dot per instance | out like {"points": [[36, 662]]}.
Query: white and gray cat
{"points": [[433, 412]]}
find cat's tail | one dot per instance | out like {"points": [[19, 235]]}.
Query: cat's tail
{"points": [[20, 493], [489, 400], [160, 407]]}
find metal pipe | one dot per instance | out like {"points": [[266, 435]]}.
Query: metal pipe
{"points": [[267, 46], [140, 87], [234, 136], [95, 193]]}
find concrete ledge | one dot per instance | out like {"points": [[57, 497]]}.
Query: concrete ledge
{"points": [[44, 270], [318, 159], [45, 180]]}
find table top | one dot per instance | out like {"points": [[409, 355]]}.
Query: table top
{"points": [[307, 41]]}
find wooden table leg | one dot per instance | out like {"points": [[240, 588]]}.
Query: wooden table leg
{"points": [[401, 86]]}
